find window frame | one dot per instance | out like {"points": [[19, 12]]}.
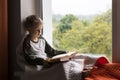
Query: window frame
{"points": [[47, 20], [115, 31]]}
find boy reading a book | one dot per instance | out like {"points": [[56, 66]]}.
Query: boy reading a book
{"points": [[36, 49]]}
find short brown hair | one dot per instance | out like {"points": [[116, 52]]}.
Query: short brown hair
{"points": [[32, 21]]}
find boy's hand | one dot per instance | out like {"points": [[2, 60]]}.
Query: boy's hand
{"points": [[65, 58], [72, 55], [48, 59]]}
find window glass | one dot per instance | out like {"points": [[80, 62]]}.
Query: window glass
{"points": [[84, 26]]}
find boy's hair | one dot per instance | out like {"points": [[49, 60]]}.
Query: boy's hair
{"points": [[32, 21]]}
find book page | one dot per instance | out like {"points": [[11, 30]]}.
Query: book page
{"points": [[59, 56], [64, 55], [79, 63]]}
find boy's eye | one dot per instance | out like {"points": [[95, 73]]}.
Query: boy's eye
{"points": [[37, 30]]}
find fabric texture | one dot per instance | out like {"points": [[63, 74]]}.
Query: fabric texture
{"points": [[103, 70]]}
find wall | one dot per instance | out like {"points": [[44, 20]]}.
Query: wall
{"points": [[14, 35]]}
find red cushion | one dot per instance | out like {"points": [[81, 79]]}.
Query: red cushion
{"points": [[101, 61]]}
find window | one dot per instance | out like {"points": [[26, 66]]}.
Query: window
{"points": [[115, 30], [87, 29]]}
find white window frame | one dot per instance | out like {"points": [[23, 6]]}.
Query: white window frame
{"points": [[47, 20]]}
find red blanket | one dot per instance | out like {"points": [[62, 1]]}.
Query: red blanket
{"points": [[105, 72]]}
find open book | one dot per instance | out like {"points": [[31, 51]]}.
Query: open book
{"points": [[64, 57]]}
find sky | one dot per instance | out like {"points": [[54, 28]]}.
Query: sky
{"points": [[80, 7]]}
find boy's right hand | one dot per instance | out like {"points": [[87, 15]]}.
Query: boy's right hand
{"points": [[48, 59], [65, 58]]}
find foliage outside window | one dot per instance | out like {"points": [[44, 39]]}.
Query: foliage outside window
{"points": [[85, 35]]}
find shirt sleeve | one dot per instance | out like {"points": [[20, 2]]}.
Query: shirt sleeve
{"points": [[51, 51], [30, 56]]}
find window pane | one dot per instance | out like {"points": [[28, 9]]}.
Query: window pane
{"points": [[83, 25]]}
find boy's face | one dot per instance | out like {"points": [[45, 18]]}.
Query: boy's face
{"points": [[35, 32]]}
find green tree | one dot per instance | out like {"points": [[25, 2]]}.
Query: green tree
{"points": [[65, 23], [74, 34], [97, 38], [71, 40], [63, 26]]}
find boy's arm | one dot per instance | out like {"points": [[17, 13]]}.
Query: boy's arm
{"points": [[52, 52], [36, 61], [51, 61]]}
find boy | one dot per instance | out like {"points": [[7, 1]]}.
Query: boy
{"points": [[36, 49]]}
